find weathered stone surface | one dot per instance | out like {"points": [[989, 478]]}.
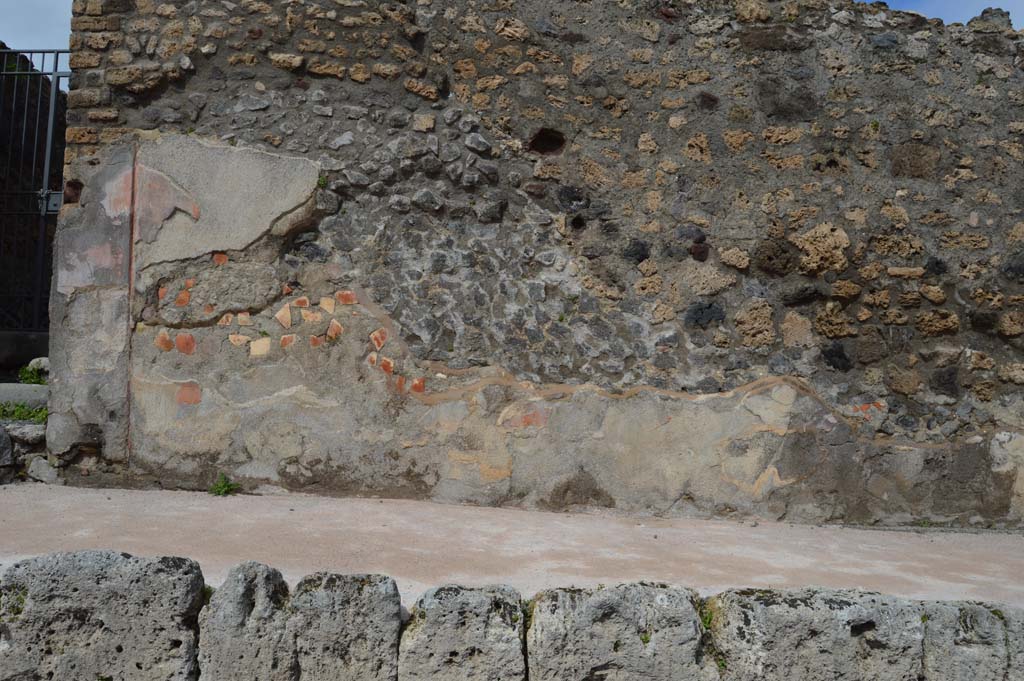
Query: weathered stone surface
{"points": [[99, 615], [631, 631], [460, 633], [644, 220], [816, 634], [330, 627]]}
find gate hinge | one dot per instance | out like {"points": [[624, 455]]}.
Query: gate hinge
{"points": [[50, 201]]}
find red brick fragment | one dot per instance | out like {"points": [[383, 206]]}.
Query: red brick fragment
{"points": [[220, 259], [334, 329], [387, 365], [186, 343], [419, 385], [182, 298], [288, 339], [301, 302], [163, 341], [379, 338], [346, 297], [317, 341]]}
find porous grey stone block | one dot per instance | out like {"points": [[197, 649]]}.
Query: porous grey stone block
{"points": [[333, 627], [963, 642], [99, 615], [464, 634], [631, 631], [817, 635]]}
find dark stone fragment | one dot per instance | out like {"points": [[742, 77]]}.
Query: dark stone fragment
{"points": [[870, 345], [914, 160], [786, 101], [1013, 268], [690, 233], [885, 41], [946, 381], [776, 258], [676, 251], [835, 356], [699, 252], [935, 267], [664, 360], [983, 320], [637, 251], [800, 294], [707, 101], [572, 199], [703, 314]]}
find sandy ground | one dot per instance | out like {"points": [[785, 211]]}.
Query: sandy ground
{"points": [[422, 544]]}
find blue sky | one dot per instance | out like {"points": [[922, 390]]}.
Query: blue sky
{"points": [[35, 24]]}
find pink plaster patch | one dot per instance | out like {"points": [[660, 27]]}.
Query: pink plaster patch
{"points": [[157, 197]]}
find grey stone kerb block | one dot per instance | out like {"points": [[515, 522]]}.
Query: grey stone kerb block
{"points": [[97, 615], [100, 615]]}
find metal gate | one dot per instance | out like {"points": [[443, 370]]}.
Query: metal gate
{"points": [[33, 104]]}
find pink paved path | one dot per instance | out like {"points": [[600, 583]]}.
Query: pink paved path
{"points": [[423, 544]]}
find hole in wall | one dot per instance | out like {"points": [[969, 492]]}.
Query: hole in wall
{"points": [[547, 141]]}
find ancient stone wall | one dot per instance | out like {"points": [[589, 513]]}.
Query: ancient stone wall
{"points": [[674, 257], [104, 615]]}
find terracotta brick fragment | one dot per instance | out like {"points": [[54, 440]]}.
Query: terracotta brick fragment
{"points": [[284, 316], [346, 297], [163, 341], [220, 259], [327, 304], [379, 338], [244, 319], [226, 319], [182, 299], [371, 359], [334, 329], [387, 365], [239, 339], [259, 347], [288, 339], [419, 385], [317, 341], [186, 343], [301, 302]]}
